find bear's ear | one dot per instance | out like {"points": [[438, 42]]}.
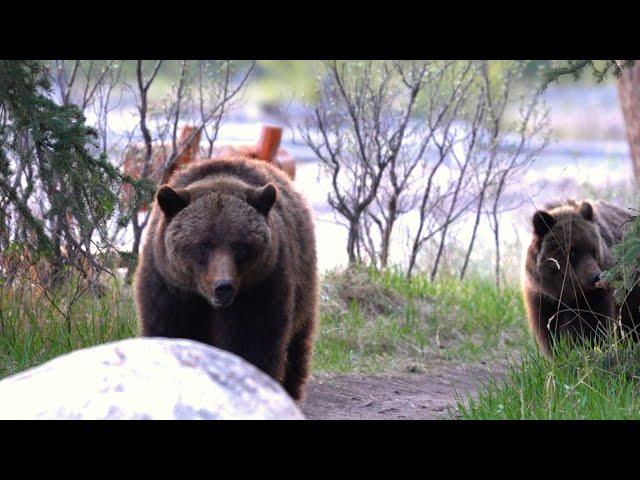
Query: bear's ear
{"points": [[172, 201], [262, 199], [586, 210], [542, 223]]}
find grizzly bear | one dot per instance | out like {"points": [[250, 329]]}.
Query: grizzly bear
{"points": [[230, 260], [562, 289]]}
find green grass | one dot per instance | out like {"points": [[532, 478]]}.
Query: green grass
{"points": [[580, 383], [370, 322], [36, 327], [373, 322]]}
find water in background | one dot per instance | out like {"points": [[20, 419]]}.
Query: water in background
{"points": [[590, 160]]}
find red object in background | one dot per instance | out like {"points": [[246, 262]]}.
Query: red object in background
{"points": [[269, 142], [266, 149]]}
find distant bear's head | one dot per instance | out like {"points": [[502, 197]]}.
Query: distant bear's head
{"points": [[570, 252], [218, 242]]}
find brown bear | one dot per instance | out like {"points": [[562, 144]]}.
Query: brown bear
{"points": [[563, 293], [230, 260]]}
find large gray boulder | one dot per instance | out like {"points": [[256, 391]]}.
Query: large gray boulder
{"points": [[145, 378]]}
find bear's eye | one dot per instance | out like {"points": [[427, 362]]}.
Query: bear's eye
{"points": [[552, 265], [573, 256], [204, 247], [241, 251]]}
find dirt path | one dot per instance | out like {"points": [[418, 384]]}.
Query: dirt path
{"points": [[408, 396]]}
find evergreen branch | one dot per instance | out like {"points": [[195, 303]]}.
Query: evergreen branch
{"points": [[575, 69]]}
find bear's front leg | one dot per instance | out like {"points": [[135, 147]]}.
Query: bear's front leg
{"points": [[542, 318], [168, 312], [629, 311], [299, 362], [258, 333]]}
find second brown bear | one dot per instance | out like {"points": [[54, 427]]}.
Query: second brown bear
{"points": [[563, 295], [230, 260]]}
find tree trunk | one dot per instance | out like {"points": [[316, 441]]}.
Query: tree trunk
{"points": [[352, 241], [473, 235], [629, 93], [388, 229], [135, 248]]}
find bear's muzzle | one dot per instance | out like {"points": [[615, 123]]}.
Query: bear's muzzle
{"points": [[223, 293]]}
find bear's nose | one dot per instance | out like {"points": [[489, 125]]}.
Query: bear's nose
{"points": [[594, 279], [224, 289]]}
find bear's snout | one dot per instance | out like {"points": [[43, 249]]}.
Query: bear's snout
{"points": [[223, 293], [595, 278], [588, 273], [590, 279]]}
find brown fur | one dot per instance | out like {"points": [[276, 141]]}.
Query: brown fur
{"points": [[221, 232], [570, 248]]}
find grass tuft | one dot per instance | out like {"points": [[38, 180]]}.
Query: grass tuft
{"points": [[381, 321], [36, 326], [579, 383]]}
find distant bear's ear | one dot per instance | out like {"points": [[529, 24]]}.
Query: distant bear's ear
{"points": [[542, 223], [172, 201], [262, 199], [586, 210]]}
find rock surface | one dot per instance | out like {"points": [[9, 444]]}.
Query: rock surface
{"points": [[145, 378]]}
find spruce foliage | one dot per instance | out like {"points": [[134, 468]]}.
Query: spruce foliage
{"points": [[575, 68], [56, 193]]}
